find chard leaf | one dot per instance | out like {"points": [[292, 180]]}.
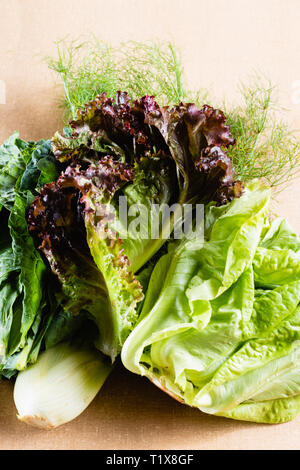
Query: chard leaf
{"points": [[25, 309], [32, 268], [12, 166]]}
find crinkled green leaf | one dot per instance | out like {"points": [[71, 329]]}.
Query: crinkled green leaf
{"points": [[270, 411], [24, 166], [266, 367], [173, 308], [277, 259], [42, 167]]}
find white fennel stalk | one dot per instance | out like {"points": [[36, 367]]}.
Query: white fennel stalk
{"points": [[60, 385]]}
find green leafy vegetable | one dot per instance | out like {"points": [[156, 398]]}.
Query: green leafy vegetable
{"points": [[218, 328], [149, 156], [277, 258], [26, 309], [208, 334]]}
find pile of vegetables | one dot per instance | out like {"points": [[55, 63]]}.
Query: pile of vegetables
{"points": [[212, 318]]}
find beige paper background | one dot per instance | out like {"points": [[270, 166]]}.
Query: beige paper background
{"points": [[222, 42]]}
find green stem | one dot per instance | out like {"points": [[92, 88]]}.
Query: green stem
{"points": [[180, 91], [67, 95]]}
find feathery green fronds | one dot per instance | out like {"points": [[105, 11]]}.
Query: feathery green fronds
{"points": [[91, 67], [265, 147]]}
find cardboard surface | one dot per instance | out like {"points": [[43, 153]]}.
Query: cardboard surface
{"points": [[222, 42]]}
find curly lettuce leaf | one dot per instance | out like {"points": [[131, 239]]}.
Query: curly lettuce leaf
{"points": [[66, 221], [277, 259], [63, 241], [195, 139], [148, 156], [106, 126]]}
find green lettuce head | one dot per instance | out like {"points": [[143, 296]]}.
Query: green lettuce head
{"points": [[217, 330]]}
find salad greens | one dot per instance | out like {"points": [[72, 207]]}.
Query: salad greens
{"points": [[30, 317], [214, 332], [26, 307], [151, 157], [212, 321]]}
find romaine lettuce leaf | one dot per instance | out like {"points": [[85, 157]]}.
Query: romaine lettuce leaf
{"points": [[176, 307], [207, 336], [277, 258]]}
